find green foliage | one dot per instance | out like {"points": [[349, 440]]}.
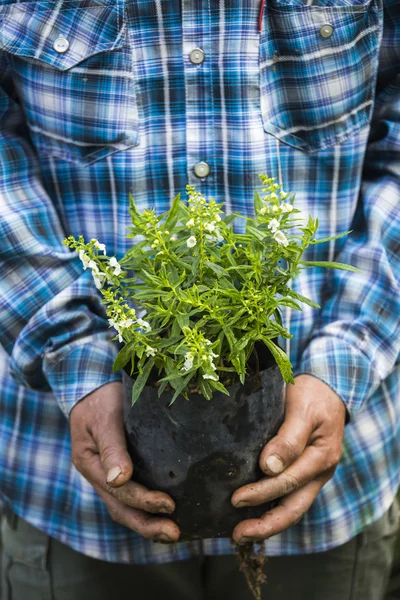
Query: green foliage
{"points": [[208, 292]]}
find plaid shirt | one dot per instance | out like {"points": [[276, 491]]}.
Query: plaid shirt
{"points": [[101, 97]]}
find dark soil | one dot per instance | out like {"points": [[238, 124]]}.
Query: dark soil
{"points": [[252, 565]]}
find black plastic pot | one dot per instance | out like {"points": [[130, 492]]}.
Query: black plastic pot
{"points": [[200, 452]]}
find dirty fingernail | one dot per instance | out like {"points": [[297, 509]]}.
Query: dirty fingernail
{"points": [[113, 474], [241, 504], [244, 540], [274, 464], [166, 509], [164, 537]]}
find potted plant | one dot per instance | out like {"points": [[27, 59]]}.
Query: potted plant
{"points": [[196, 303]]}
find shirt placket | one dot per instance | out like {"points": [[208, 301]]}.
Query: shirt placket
{"points": [[198, 77]]}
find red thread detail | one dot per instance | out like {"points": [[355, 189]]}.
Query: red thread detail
{"points": [[260, 15]]}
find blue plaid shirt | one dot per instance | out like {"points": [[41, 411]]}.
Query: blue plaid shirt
{"points": [[100, 98]]}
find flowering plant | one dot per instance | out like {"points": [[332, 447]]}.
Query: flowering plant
{"points": [[209, 293]]}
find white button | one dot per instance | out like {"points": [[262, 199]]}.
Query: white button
{"points": [[202, 169], [61, 45], [326, 30], [197, 56]]}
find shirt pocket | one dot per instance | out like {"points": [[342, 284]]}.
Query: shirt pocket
{"points": [[73, 77], [318, 66]]}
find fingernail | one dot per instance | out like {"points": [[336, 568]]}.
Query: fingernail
{"points": [[242, 504], [163, 537], [274, 464], [113, 474], [244, 540], [166, 509]]}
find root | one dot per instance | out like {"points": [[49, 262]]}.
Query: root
{"points": [[252, 565]]}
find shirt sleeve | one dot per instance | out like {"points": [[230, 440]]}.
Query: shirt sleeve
{"points": [[53, 325], [357, 342]]}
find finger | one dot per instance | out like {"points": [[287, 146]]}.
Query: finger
{"points": [[109, 435], [148, 526], [314, 461], [288, 513], [289, 442], [131, 493]]}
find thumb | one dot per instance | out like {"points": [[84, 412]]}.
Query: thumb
{"points": [[114, 457], [292, 438], [110, 439]]}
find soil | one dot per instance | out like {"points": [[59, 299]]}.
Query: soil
{"points": [[252, 565]]}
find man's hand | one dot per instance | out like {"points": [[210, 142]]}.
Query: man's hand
{"points": [[298, 461], [99, 453]]}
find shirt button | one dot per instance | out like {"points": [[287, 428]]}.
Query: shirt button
{"points": [[326, 30], [61, 45], [197, 56], [202, 169]]}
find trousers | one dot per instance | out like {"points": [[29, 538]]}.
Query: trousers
{"points": [[38, 567]]}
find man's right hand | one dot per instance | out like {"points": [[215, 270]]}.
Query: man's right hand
{"points": [[99, 453]]}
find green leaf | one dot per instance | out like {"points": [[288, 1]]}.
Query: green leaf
{"points": [[330, 265], [205, 388], [124, 356], [141, 380], [289, 302], [218, 270], [133, 211], [282, 360], [183, 320], [228, 219], [173, 213], [329, 239], [217, 385], [303, 299], [181, 386], [257, 201]]}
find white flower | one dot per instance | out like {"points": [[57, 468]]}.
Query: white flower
{"points": [[275, 209], [150, 351], [282, 194], [281, 238], [217, 218], [93, 265], [144, 324], [208, 376], [173, 238], [210, 227], [287, 208], [274, 196], [191, 242], [98, 278], [126, 323], [218, 234], [84, 258], [190, 223], [188, 362], [100, 246], [114, 263], [263, 210], [273, 225]]}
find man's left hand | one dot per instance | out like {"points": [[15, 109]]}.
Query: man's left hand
{"points": [[298, 461]]}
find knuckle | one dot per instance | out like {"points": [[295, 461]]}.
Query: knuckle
{"points": [[296, 516], [115, 514], [333, 459], [290, 447], [289, 483], [77, 460]]}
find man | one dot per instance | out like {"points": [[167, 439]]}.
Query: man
{"points": [[103, 97]]}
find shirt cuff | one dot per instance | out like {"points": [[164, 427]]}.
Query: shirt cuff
{"points": [[347, 370], [80, 368]]}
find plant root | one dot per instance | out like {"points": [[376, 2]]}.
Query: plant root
{"points": [[252, 565]]}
